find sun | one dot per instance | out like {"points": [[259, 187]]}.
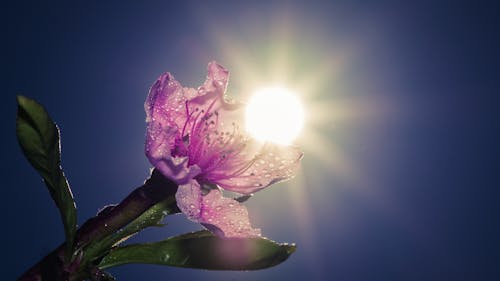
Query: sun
{"points": [[274, 114]]}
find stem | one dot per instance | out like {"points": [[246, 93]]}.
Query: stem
{"points": [[107, 222]]}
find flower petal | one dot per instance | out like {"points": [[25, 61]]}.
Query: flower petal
{"points": [[217, 77], [211, 128], [166, 101], [158, 151], [224, 216], [271, 164], [164, 114]]}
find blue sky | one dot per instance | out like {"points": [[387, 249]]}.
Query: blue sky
{"points": [[399, 172]]}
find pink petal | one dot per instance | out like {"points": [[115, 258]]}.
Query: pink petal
{"points": [[212, 124], [158, 151], [269, 165], [164, 115], [225, 216], [217, 77], [172, 115], [165, 104]]}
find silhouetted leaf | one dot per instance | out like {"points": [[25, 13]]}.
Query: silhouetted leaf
{"points": [[152, 217], [203, 250], [38, 136]]}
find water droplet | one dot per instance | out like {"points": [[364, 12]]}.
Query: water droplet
{"points": [[165, 258]]}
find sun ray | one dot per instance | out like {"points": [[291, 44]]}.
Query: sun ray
{"points": [[307, 224], [327, 153], [333, 109]]}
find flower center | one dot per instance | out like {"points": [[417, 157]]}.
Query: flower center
{"points": [[209, 144]]}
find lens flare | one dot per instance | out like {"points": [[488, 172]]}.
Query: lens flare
{"points": [[274, 114]]}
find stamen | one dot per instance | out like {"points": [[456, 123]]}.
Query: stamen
{"points": [[196, 146]]}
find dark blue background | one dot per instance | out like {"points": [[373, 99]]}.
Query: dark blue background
{"points": [[414, 195]]}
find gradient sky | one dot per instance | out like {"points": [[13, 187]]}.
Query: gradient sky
{"points": [[400, 165]]}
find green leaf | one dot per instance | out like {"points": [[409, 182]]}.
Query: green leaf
{"points": [[152, 217], [38, 136], [203, 250], [99, 275]]}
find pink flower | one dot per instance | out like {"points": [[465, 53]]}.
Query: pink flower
{"points": [[194, 138]]}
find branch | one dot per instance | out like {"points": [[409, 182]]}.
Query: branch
{"points": [[107, 222]]}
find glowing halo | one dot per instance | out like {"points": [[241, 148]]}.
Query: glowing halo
{"points": [[274, 114]]}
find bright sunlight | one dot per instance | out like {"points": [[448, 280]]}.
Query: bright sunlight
{"points": [[274, 114]]}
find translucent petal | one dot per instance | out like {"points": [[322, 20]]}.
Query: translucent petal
{"points": [[164, 114], [166, 102], [224, 216], [174, 116], [270, 164]]}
